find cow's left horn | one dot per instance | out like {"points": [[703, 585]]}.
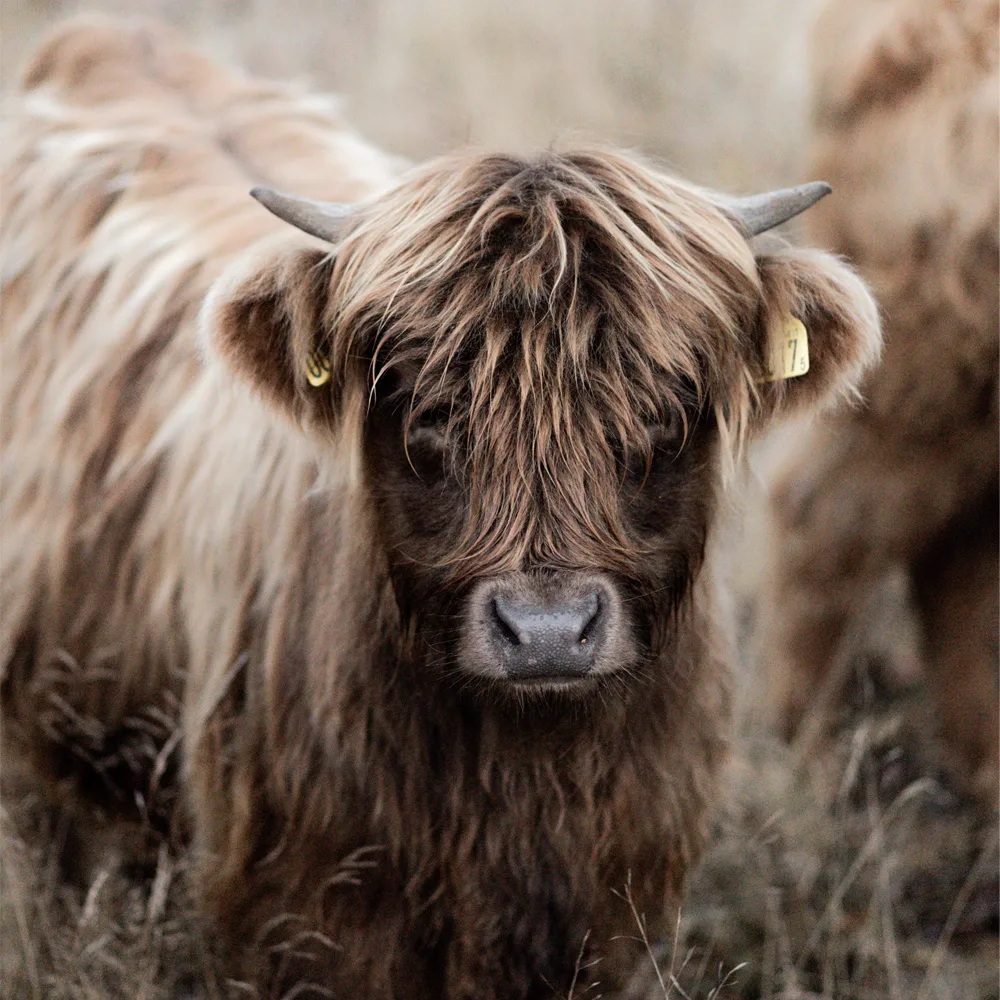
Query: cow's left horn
{"points": [[761, 212], [322, 219]]}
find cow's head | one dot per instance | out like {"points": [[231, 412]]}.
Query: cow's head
{"points": [[549, 361]]}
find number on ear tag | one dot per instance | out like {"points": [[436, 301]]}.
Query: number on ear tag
{"points": [[789, 354], [317, 369]]}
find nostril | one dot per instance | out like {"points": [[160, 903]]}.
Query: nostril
{"points": [[590, 626], [504, 627]]}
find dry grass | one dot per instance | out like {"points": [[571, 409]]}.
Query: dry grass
{"points": [[864, 877], [850, 871]]}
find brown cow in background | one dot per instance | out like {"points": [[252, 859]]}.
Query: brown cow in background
{"points": [[415, 522], [907, 120]]}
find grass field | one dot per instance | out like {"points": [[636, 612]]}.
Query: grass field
{"points": [[849, 869], [852, 871]]}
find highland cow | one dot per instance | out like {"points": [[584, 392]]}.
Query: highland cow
{"points": [[907, 129], [415, 522]]}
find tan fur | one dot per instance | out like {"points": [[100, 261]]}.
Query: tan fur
{"points": [[907, 129], [184, 516]]}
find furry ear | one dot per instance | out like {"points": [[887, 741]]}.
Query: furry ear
{"points": [[265, 320], [841, 325]]}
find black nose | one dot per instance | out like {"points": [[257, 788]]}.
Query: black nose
{"points": [[538, 640]]}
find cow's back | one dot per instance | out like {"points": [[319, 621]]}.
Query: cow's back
{"points": [[127, 161], [907, 132]]}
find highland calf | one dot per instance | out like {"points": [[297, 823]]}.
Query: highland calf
{"points": [[907, 129], [415, 522]]}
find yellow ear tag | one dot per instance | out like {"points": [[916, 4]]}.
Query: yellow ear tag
{"points": [[317, 369], [789, 354]]}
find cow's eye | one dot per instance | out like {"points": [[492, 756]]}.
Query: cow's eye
{"points": [[664, 439], [666, 436], [427, 443]]}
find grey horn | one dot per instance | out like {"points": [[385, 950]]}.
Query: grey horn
{"points": [[322, 219], [761, 212]]}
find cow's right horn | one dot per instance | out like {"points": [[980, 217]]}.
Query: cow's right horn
{"points": [[322, 219]]}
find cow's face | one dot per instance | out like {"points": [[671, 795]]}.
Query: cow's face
{"points": [[550, 360], [535, 555]]}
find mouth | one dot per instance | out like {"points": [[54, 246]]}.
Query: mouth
{"points": [[575, 684]]}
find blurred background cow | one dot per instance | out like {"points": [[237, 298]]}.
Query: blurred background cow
{"points": [[863, 872], [907, 132]]}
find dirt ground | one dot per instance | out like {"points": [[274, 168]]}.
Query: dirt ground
{"points": [[846, 866]]}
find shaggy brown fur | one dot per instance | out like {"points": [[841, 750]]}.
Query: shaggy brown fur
{"points": [[539, 367], [908, 130]]}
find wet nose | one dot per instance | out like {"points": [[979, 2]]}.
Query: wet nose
{"points": [[550, 639]]}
